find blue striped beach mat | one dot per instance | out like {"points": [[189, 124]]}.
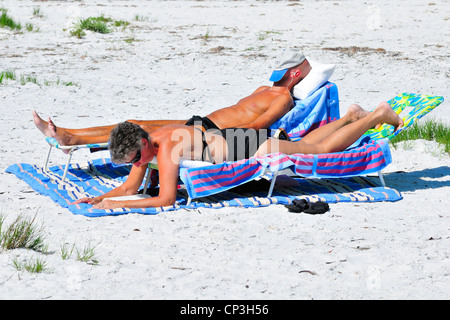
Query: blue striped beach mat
{"points": [[98, 176]]}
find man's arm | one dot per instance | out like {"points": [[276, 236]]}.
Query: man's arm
{"points": [[278, 108]]}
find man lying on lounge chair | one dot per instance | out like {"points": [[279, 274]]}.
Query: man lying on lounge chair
{"points": [[129, 143], [257, 111]]}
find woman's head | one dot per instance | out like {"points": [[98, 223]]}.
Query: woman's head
{"points": [[125, 139]]}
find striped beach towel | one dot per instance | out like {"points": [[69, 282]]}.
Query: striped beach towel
{"points": [[96, 177], [318, 109], [366, 157]]}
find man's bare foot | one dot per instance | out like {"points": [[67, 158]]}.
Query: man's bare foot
{"points": [[41, 124], [355, 112], [388, 115], [49, 129]]}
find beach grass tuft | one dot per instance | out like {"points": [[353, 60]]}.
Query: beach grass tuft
{"points": [[96, 24], [99, 24], [430, 130], [21, 233], [8, 22], [32, 266], [37, 12], [138, 17], [87, 255], [77, 32], [7, 75], [24, 79], [66, 251]]}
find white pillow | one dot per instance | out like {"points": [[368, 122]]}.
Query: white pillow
{"points": [[319, 74]]}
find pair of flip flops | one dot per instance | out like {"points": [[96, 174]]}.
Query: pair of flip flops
{"points": [[301, 205]]}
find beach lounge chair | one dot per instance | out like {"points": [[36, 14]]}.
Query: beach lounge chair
{"points": [[71, 149], [370, 154]]}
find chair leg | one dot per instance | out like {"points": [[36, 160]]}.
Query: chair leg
{"points": [[147, 179], [380, 175], [67, 164], [272, 184], [48, 158]]}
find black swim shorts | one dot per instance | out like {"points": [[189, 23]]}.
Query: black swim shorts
{"points": [[243, 143], [205, 122]]}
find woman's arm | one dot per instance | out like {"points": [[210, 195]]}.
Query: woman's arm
{"points": [[168, 179], [129, 187]]}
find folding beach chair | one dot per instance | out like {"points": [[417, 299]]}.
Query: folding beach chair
{"points": [[370, 154], [71, 149]]}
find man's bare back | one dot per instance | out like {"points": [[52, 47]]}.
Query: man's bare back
{"points": [[248, 110]]}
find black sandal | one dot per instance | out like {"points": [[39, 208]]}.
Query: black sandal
{"points": [[297, 206], [301, 205]]}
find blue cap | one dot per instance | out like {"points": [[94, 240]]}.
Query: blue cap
{"points": [[288, 58], [277, 75]]}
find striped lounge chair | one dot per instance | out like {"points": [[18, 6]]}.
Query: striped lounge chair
{"points": [[370, 154]]}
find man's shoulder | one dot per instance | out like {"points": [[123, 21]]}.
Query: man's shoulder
{"points": [[262, 88]]}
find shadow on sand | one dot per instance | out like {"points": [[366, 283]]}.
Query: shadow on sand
{"points": [[418, 180]]}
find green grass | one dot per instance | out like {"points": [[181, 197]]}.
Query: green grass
{"points": [[24, 79], [7, 75], [121, 23], [78, 32], [140, 18], [97, 24], [37, 12], [430, 130], [24, 233], [87, 255], [30, 27], [66, 251], [36, 266], [8, 22], [265, 34], [21, 233]]}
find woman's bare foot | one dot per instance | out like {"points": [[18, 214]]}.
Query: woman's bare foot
{"points": [[388, 115], [49, 129], [355, 112]]}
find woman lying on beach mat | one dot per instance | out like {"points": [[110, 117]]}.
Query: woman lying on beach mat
{"points": [[129, 143]]}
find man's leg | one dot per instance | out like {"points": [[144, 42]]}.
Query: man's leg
{"points": [[66, 136]]}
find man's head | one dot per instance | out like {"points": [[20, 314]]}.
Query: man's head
{"points": [[286, 61], [126, 140]]}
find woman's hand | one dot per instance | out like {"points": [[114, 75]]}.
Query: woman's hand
{"points": [[108, 204], [98, 203], [92, 201]]}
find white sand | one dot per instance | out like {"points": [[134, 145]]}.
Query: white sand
{"points": [[192, 57]]}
